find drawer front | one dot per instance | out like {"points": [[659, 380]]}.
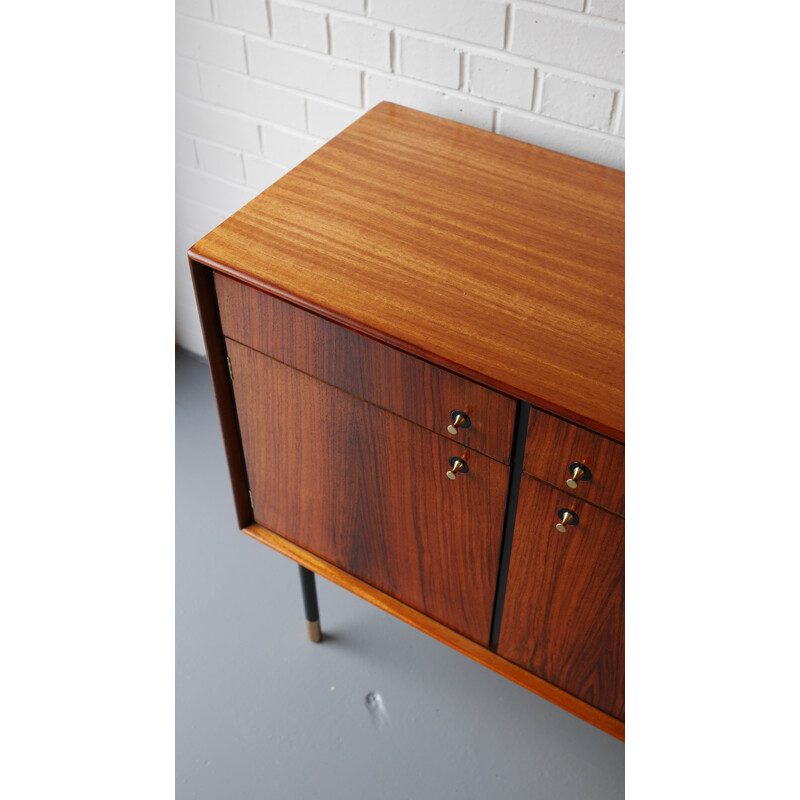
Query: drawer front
{"points": [[367, 491], [553, 446], [564, 615], [394, 380]]}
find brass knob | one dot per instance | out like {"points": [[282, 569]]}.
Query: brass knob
{"points": [[458, 420], [567, 518], [578, 472], [456, 466]]}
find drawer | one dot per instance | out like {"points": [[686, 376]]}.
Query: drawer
{"points": [[553, 447], [368, 491], [396, 381], [564, 615]]}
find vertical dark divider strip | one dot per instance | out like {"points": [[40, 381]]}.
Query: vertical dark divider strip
{"points": [[517, 455], [206, 295]]}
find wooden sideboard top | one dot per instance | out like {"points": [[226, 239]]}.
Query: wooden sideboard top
{"points": [[489, 256]]}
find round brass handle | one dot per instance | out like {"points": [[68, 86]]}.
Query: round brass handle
{"points": [[578, 472], [567, 517], [458, 419], [456, 466]]}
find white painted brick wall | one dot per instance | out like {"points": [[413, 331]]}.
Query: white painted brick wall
{"points": [[506, 82], [430, 61], [301, 27], [362, 42], [575, 41], [261, 84], [578, 102], [479, 21], [249, 15]]}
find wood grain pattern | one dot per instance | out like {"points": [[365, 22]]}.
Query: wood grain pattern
{"points": [[367, 490], [440, 632], [494, 258], [401, 383], [203, 281], [564, 608], [553, 444]]}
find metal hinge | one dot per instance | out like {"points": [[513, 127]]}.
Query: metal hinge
{"points": [[230, 368], [250, 495]]}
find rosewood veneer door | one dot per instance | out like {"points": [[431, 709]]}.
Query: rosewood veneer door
{"points": [[367, 490], [563, 617]]}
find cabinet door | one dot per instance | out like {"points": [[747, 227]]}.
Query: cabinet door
{"points": [[367, 490], [563, 617]]}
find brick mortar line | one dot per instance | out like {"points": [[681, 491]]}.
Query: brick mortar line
{"points": [[567, 13], [288, 89], [565, 72], [304, 133], [243, 153], [303, 95], [584, 15], [473, 47], [452, 93], [211, 175]]}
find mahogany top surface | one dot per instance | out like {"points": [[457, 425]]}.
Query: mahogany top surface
{"points": [[486, 255]]}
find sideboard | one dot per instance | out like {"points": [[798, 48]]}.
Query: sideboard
{"points": [[416, 343]]}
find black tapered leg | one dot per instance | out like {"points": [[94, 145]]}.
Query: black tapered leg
{"points": [[309, 587]]}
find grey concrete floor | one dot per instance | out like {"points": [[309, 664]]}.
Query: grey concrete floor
{"points": [[263, 713]]}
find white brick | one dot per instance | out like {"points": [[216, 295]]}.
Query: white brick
{"points": [[480, 21], [187, 78], [184, 150], [208, 190], [283, 146], [260, 173], [218, 125], [194, 8], [429, 61], [596, 147], [587, 47], [610, 9], [572, 5], [580, 103], [300, 26], [442, 104], [361, 42], [326, 120], [209, 43], [260, 100], [220, 161], [621, 116], [250, 15], [198, 216], [356, 6], [502, 81], [309, 73]]}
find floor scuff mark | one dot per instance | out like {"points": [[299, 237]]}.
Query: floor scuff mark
{"points": [[377, 710]]}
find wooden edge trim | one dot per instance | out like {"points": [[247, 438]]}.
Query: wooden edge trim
{"points": [[206, 296], [462, 644], [592, 425]]}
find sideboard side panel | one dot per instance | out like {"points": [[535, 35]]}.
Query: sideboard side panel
{"points": [[205, 294]]}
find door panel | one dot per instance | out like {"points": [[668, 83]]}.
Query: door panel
{"points": [[563, 617], [367, 490]]}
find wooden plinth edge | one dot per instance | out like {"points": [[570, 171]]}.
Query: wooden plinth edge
{"points": [[466, 646]]}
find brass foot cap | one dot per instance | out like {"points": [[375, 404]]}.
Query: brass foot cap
{"points": [[314, 631]]}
